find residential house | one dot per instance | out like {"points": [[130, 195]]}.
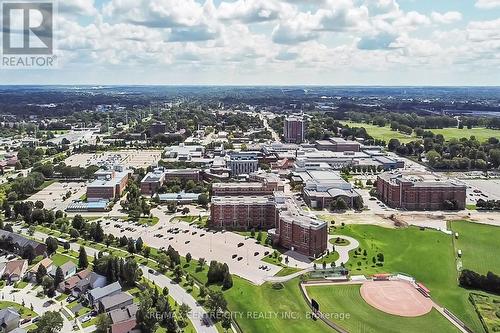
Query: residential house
{"points": [[95, 295], [115, 301], [14, 270], [9, 320], [46, 262], [19, 244], [70, 284], [92, 281], [68, 269]]}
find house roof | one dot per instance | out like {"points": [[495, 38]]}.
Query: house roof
{"points": [[120, 315], [15, 267], [99, 293], [68, 266], [20, 240], [7, 315], [46, 262], [116, 299], [74, 281], [124, 326]]}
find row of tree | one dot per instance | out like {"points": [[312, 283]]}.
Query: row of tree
{"points": [[489, 282]]}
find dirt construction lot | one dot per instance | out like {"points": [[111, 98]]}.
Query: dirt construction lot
{"points": [[398, 298]]}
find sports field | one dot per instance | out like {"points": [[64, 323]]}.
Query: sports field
{"points": [[385, 133], [346, 299], [266, 309], [479, 244], [426, 255]]}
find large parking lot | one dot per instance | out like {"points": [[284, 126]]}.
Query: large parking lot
{"points": [[129, 158], [52, 195], [242, 255], [482, 189]]}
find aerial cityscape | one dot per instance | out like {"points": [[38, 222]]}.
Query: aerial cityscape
{"points": [[250, 166]]}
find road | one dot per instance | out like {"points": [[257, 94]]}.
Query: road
{"points": [[177, 292], [180, 296]]}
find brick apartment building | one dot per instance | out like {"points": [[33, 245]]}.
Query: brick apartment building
{"points": [[278, 214], [294, 129], [412, 192], [108, 185]]}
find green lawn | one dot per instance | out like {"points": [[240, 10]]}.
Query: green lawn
{"points": [[332, 257], [385, 133], [286, 305], [426, 255], [288, 271], [479, 244], [23, 311], [336, 301], [60, 259], [381, 133]]}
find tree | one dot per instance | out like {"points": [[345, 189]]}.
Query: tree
{"points": [[203, 200], [131, 272], [103, 323], [59, 277], [226, 321], [216, 303], [40, 273], [50, 322], [48, 286], [139, 244], [227, 283], [177, 273], [188, 257], [184, 310], [83, 261], [52, 245], [163, 262], [357, 203]]}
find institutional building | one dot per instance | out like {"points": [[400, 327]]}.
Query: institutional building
{"points": [[108, 185], [242, 163], [156, 178], [338, 145], [414, 192], [252, 207], [294, 129]]}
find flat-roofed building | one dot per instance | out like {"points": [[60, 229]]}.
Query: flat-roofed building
{"points": [[183, 174], [108, 185], [416, 192], [243, 163], [338, 145], [152, 181]]}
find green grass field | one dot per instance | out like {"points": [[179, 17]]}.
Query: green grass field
{"points": [[287, 306], [479, 245], [363, 318], [426, 255], [381, 133], [385, 133], [60, 259]]}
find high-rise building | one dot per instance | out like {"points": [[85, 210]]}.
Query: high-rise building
{"points": [[294, 129]]}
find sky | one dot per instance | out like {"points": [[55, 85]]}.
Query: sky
{"points": [[273, 42]]}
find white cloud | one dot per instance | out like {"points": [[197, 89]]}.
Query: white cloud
{"points": [[77, 7], [251, 11], [446, 18], [487, 4]]}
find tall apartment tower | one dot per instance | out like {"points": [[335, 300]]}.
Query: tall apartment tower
{"points": [[294, 129]]}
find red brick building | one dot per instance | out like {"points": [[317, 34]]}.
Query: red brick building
{"points": [[287, 226], [234, 189], [412, 192], [109, 184], [294, 129]]}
